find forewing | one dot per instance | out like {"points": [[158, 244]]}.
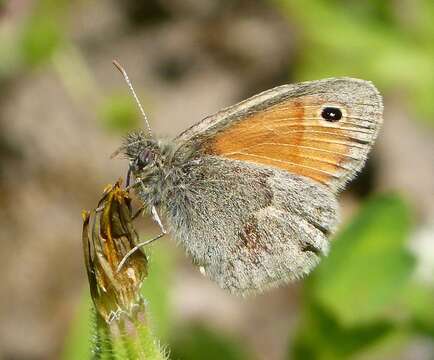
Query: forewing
{"points": [[283, 128]]}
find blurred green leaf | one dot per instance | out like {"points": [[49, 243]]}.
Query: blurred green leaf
{"points": [[198, 343], [156, 287], [40, 39], [417, 301], [77, 343], [43, 32], [9, 54], [368, 39], [368, 266], [322, 337], [390, 346], [120, 113]]}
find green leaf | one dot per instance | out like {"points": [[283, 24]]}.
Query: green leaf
{"points": [[43, 33], [322, 337], [198, 342], [77, 343], [417, 302], [40, 40], [120, 113], [367, 39], [156, 286], [368, 266]]}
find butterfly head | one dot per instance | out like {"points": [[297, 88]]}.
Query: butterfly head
{"points": [[144, 155]]}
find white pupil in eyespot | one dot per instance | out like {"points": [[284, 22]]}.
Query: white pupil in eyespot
{"points": [[331, 114]]}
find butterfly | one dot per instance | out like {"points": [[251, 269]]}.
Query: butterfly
{"points": [[251, 192]]}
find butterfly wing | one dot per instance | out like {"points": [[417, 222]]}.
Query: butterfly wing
{"points": [[248, 226], [255, 200], [285, 128]]}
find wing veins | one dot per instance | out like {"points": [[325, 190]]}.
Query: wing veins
{"points": [[320, 119], [314, 125], [328, 133], [290, 163], [291, 145]]}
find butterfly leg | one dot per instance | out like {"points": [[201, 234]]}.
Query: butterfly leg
{"points": [[156, 219], [147, 242], [137, 247], [154, 212]]}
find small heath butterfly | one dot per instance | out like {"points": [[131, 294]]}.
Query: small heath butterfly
{"points": [[251, 191]]}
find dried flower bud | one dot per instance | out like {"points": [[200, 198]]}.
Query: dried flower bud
{"points": [[108, 234]]}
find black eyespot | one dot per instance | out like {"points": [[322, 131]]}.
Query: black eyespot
{"points": [[331, 114]]}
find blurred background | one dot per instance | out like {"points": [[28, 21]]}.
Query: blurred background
{"points": [[64, 110]]}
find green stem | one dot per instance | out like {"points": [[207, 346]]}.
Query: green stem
{"points": [[126, 338]]}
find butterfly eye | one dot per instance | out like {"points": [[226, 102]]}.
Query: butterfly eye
{"points": [[144, 157], [331, 114]]}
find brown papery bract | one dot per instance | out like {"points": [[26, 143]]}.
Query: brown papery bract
{"points": [[108, 234]]}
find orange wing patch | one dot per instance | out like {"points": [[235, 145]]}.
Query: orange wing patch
{"points": [[291, 136]]}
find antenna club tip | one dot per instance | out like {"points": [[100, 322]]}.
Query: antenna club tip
{"points": [[118, 66]]}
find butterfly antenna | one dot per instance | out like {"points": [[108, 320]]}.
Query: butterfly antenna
{"points": [[130, 85]]}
